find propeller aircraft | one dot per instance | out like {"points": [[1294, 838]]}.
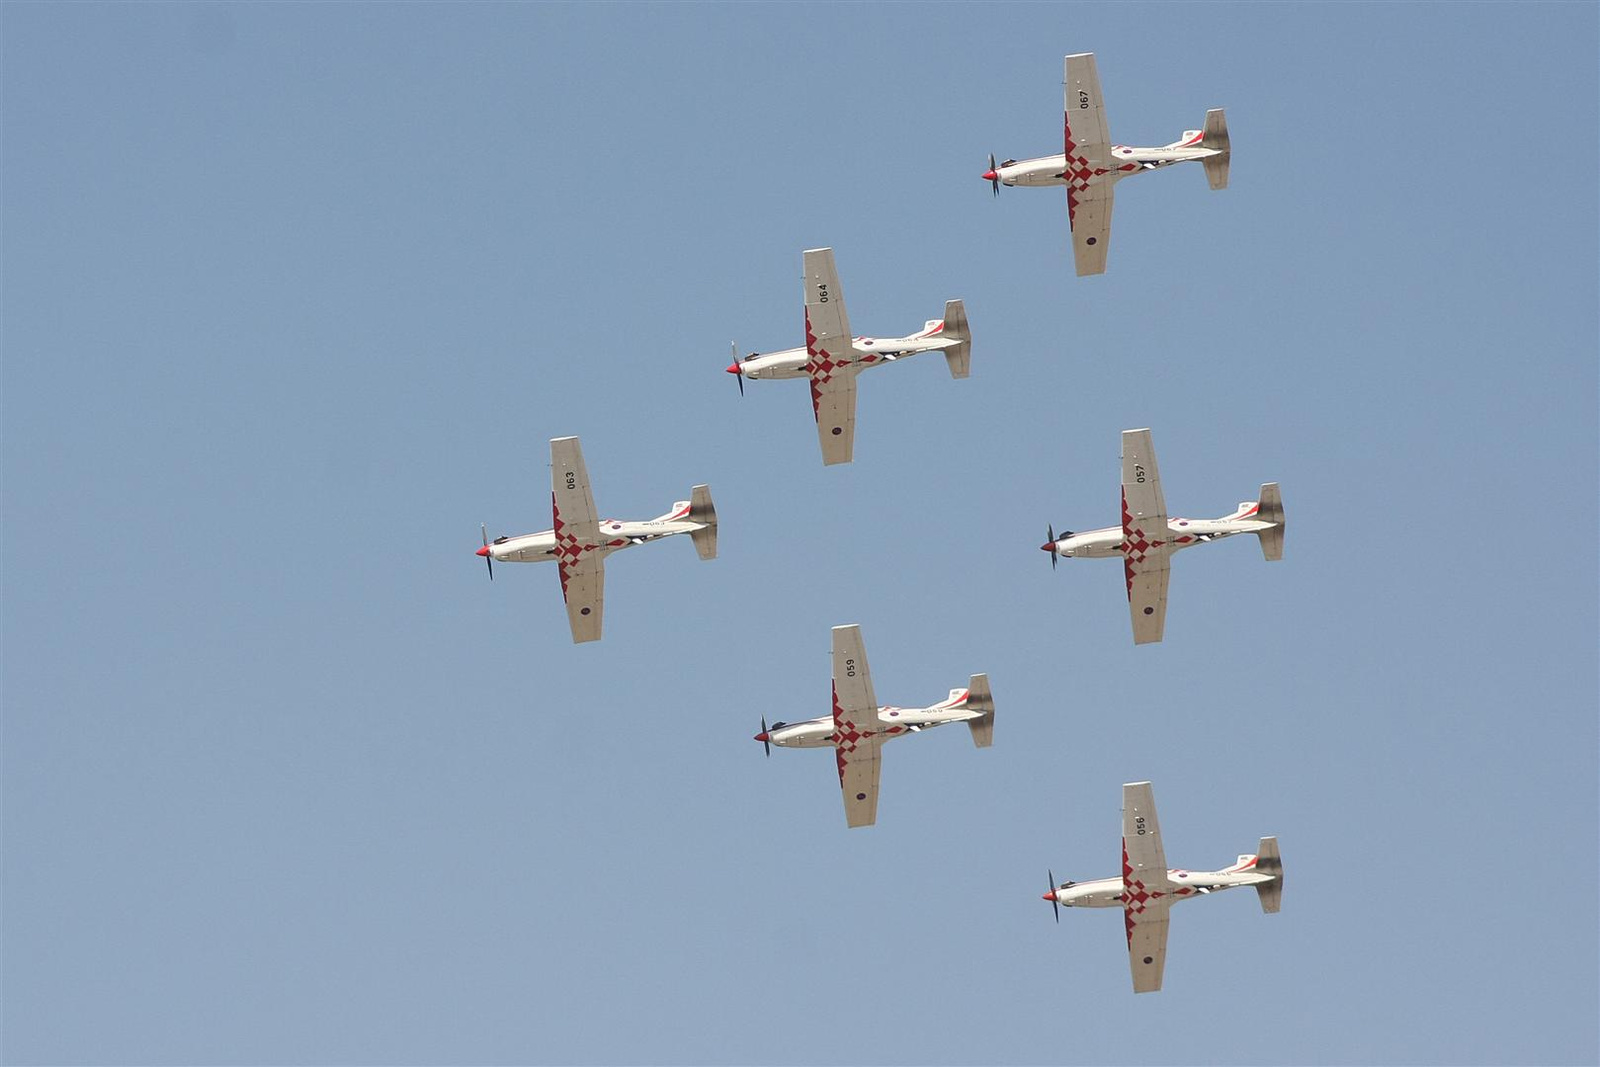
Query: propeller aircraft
{"points": [[579, 542], [1091, 165], [832, 358], [1147, 888], [1147, 538], [858, 727]]}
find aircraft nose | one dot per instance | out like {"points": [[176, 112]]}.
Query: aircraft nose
{"points": [[763, 737], [989, 175], [1048, 546], [1048, 896], [733, 368], [484, 551]]}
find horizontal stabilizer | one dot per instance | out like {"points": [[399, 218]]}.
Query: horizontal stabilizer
{"points": [[701, 510], [979, 698], [1271, 510], [955, 327], [1215, 137], [1269, 862]]}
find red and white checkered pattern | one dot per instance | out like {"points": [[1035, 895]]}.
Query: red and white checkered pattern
{"points": [[1077, 172], [568, 548], [820, 367], [1134, 894], [848, 736], [1137, 545]]}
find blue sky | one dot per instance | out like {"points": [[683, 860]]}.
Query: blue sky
{"points": [[295, 296]]}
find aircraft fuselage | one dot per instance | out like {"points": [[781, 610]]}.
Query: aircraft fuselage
{"points": [[1108, 892], [1052, 170], [892, 722], [618, 535], [1186, 533], [869, 352]]}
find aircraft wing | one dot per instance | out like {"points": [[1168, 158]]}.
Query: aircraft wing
{"points": [[834, 402], [1088, 153], [569, 481], [577, 531], [1089, 215], [857, 745], [831, 357], [583, 584], [1146, 544], [1147, 946], [1146, 890], [1147, 597], [1086, 111]]}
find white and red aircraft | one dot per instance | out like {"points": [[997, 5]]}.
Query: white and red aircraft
{"points": [[1147, 888], [831, 358], [1147, 538], [580, 542], [1092, 165], [858, 727]]}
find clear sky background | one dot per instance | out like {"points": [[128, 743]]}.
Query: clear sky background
{"points": [[296, 294]]}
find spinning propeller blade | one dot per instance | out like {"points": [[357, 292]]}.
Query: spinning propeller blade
{"points": [[487, 556], [1050, 531], [1054, 903], [993, 176], [765, 742], [734, 366]]}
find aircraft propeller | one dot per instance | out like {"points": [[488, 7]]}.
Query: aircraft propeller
{"points": [[765, 743], [993, 176], [1054, 902], [487, 557], [1050, 545], [735, 366]]}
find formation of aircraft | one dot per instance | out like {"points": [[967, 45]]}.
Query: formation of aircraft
{"points": [[1090, 166], [579, 542], [858, 727], [1147, 538], [1147, 888], [832, 358]]}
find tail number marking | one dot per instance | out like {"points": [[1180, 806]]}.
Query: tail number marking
{"points": [[572, 480], [1083, 100], [1138, 474], [849, 668], [822, 293], [1138, 825]]}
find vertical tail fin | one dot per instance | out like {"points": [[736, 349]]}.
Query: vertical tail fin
{"points": [[980, 699], [1271, 510], [955, 326], [1215, 136], [1269, 862], [701, 510]]}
